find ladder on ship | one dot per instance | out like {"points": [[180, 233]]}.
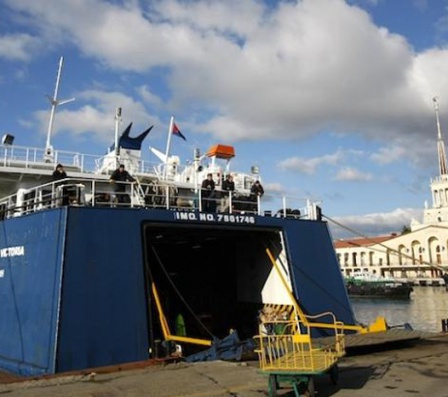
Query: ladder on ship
{"points": [[138, 194]]}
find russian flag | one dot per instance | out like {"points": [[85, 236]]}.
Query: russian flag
{"points": [[176, 131]]}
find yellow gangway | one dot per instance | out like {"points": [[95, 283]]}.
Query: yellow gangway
{"points": [[286, 349]]}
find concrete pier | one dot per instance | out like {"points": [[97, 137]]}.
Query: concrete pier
{"points": [[399, 368]]}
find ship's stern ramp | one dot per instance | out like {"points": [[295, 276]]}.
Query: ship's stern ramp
{"points": [[317, 281], [212, 280]]}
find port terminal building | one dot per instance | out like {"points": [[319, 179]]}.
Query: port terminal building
{"points": [[420, 254]]}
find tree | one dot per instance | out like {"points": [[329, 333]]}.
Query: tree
{"points": [[405, 230]]}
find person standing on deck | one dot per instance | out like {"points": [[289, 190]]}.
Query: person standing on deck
{"points": [[119, 176], [256, 191], [58, 175], [208, 194], [228, 187]]}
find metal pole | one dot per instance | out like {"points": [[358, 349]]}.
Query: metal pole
{"points": [[117, 148], [168, 143], [54, 102]]}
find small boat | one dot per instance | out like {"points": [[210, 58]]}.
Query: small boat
{"points": [[369, 285]]}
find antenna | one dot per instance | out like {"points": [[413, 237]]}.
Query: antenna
{"points": [[54, 103], [117, 124], [440, 143]]}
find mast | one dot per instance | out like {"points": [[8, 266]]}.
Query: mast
{"points": [[440, 143], [168, 144], [49, 156], [117, 126]]}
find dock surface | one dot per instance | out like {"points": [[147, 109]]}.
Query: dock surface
{"points": [[415, 366]]}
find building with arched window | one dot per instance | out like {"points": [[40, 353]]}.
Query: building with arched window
{"points": [[420, 254]]}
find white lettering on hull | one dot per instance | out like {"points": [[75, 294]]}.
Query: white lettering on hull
{"points": [[207, 217], [12, 251]]}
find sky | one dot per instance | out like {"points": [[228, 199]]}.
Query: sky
{"points": [[331, 99]]}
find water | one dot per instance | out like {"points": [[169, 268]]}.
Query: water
{"points": [[424, 311]]}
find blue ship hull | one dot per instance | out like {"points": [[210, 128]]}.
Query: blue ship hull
{"points": [[75, 282]]}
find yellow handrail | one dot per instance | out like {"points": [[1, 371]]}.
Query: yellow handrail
{"points": [[379, 325], [165, 328], [297, 308], [162, 318]]}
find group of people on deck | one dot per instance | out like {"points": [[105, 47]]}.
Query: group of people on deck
{"points": [[119, 178], [209, 195]]}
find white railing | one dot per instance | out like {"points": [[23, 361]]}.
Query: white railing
{"points": [[26, 157], [156, 195]]}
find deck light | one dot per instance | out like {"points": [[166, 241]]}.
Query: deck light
{"points": [[8, 139]]}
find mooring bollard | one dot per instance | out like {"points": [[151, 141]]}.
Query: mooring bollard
{"points": [[445, 325]]}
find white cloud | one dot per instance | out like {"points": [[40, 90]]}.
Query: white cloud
{"points": [[352, 175], [229, 18], [274, 188], [310, 165], [428, 76], [259, 72], [387, 155], [375, 224], [283, 68], [17, 47], [149, 97]]}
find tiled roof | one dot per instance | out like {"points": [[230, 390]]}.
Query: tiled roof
{"points": [[361, 242]]}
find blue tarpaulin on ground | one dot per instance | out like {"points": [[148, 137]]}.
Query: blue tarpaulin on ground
{"points": [[228, 349]]}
